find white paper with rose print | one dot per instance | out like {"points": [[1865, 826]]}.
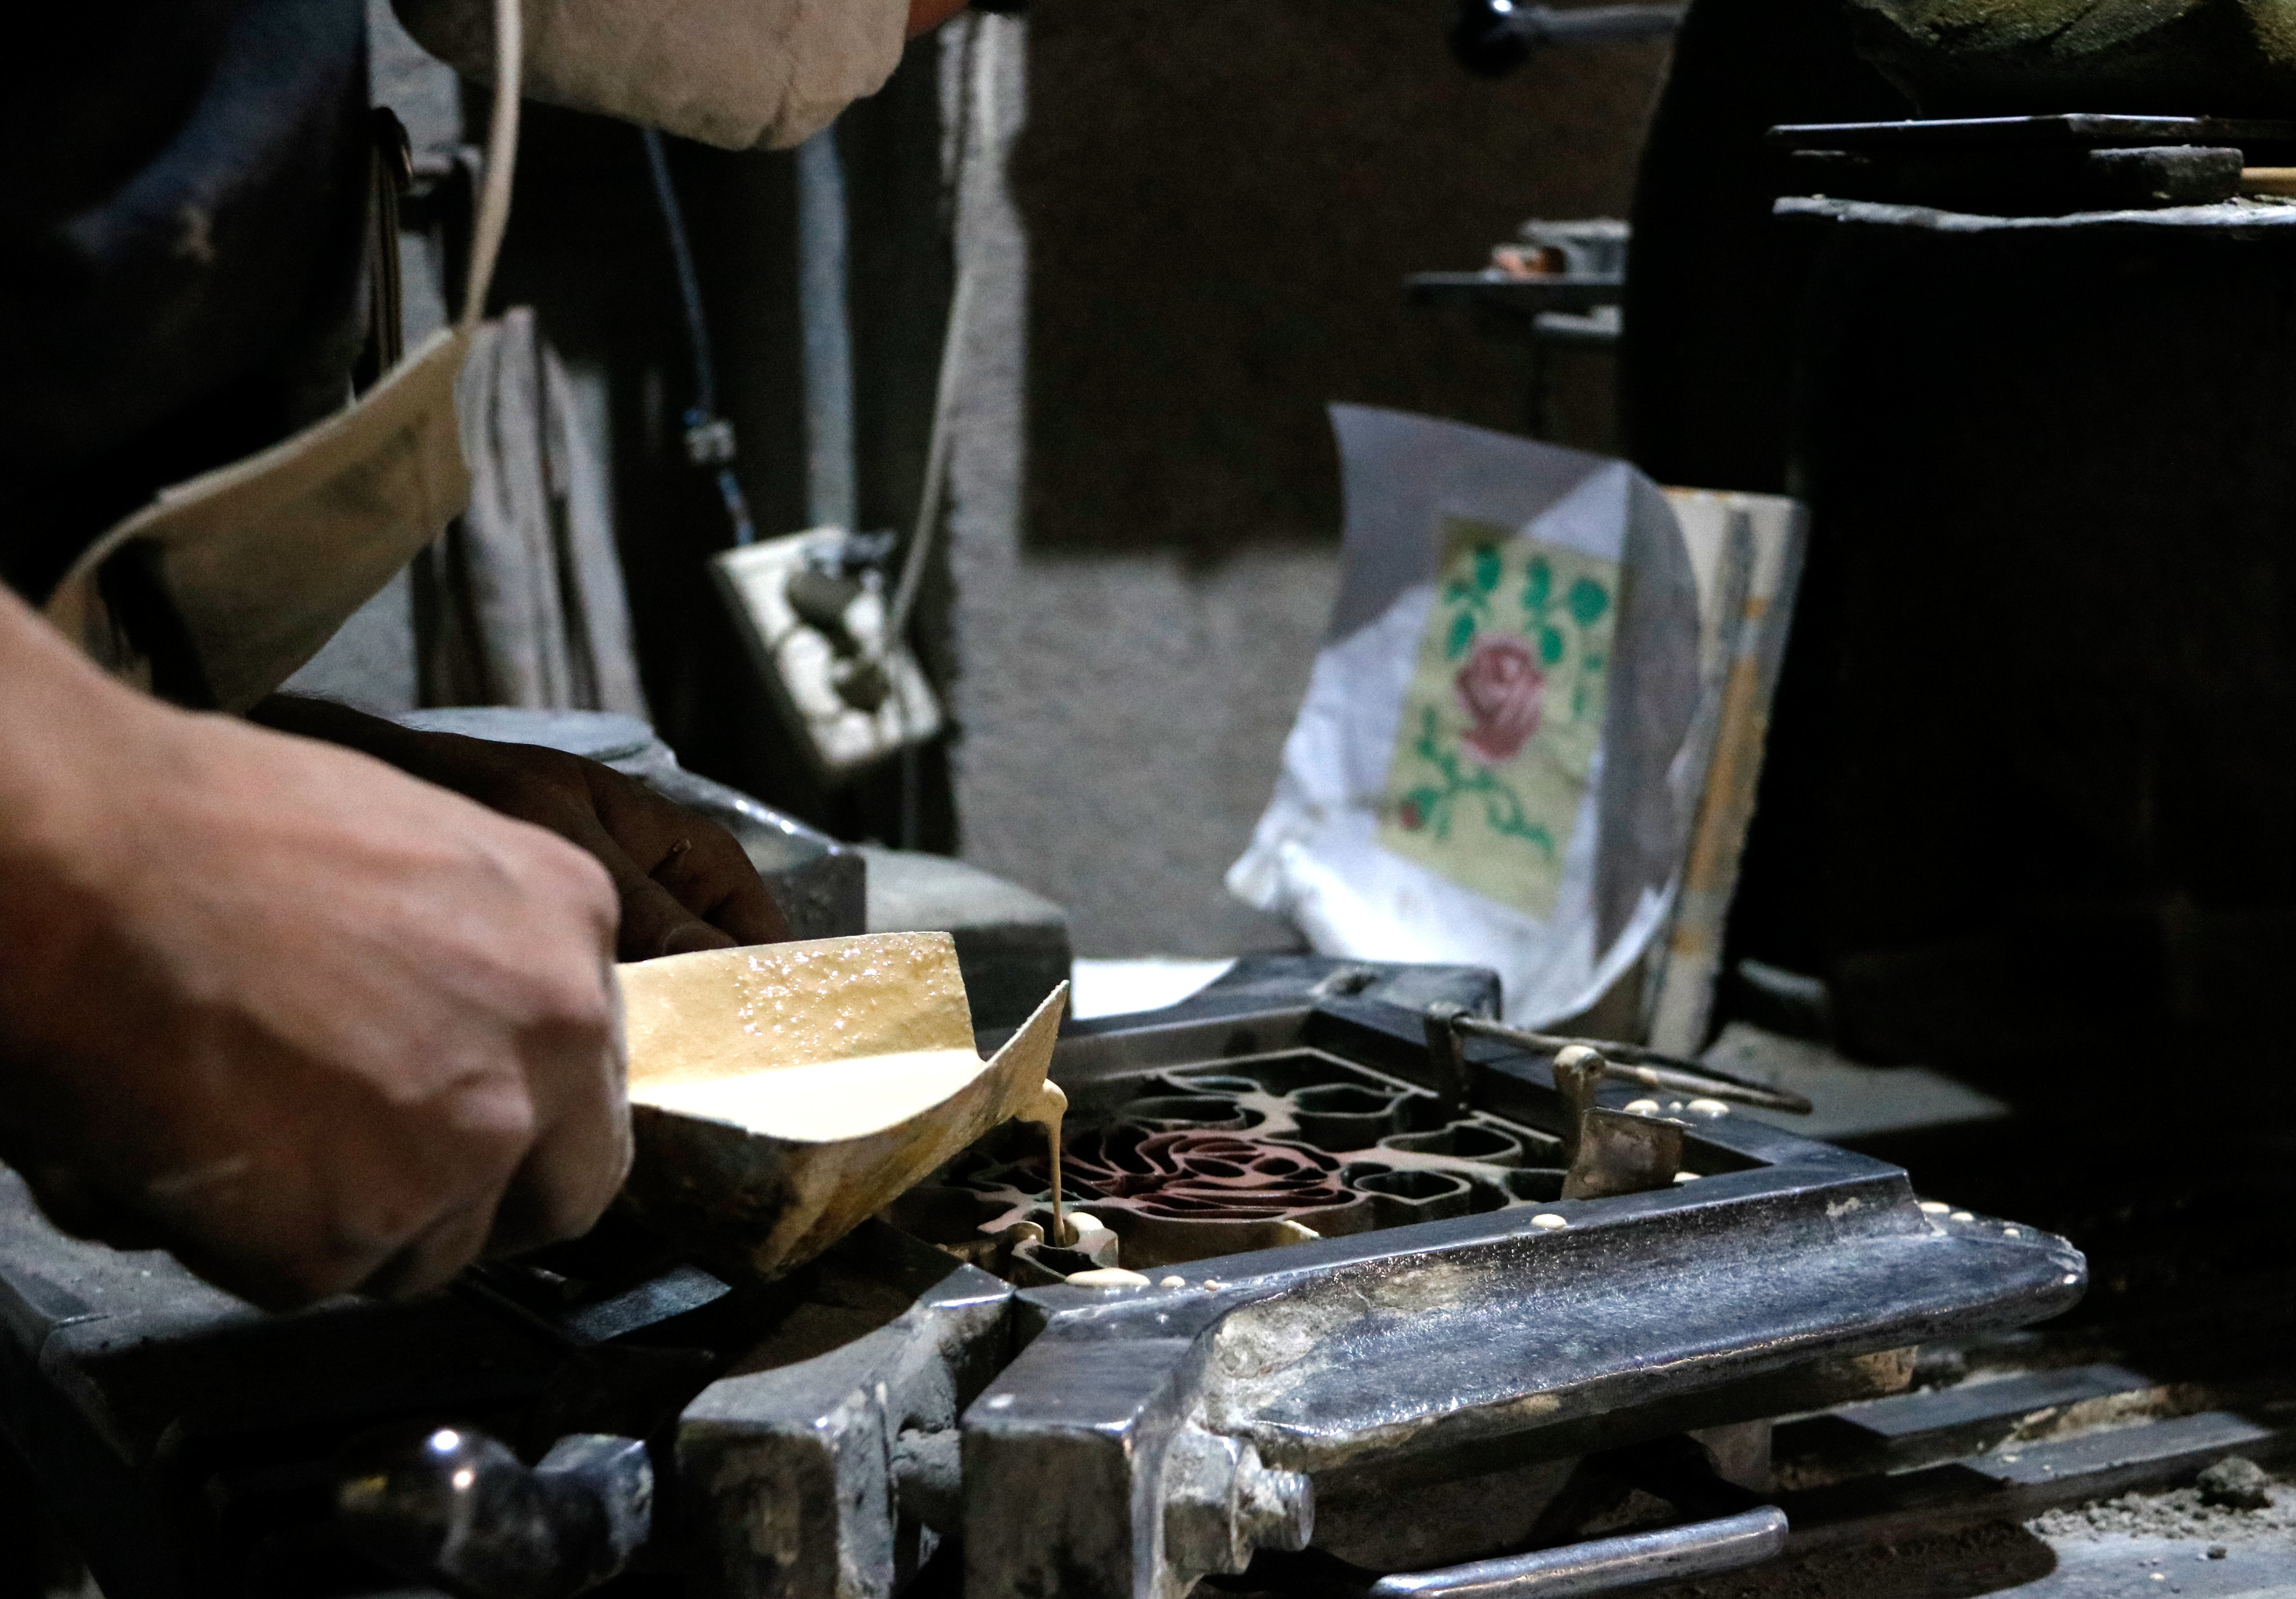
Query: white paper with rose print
{"points": [[1321, 853], [1504, 715]]}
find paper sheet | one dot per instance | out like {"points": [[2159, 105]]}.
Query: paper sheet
{"points": [[1326, 853]]}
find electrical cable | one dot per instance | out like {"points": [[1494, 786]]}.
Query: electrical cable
{"points": [[976, 110], [937, 454], [708, 437], [976, 113], [689, 281]]}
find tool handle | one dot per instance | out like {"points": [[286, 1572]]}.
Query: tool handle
{"points": [[1603, 1564], [457, 1509], [1638, 1062], [1492, 37]]}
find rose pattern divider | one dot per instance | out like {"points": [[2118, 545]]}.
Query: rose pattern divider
{"points": [[1249, 1154]]}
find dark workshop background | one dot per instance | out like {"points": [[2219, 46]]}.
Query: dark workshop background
{"points": [[1220, 201], [1222, 198]]}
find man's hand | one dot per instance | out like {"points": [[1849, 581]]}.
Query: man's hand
{"points": [[309, 1023], [684, 883]]}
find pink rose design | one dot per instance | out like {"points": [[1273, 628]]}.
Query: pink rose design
{"points": [[1502, 687]]}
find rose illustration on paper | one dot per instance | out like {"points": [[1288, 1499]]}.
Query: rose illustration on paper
{"points": [[1503, 690], [1503, 714]]}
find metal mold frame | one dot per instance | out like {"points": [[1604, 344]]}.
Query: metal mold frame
{"points": [[1440, 1349]]}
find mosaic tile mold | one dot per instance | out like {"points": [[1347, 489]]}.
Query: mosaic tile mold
{"points": [[1244, 1153]]}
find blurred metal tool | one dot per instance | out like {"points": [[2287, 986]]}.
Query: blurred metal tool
{"points": [[456, 1508], [1492, 37], [1619, 1152], [1633, 1063]]}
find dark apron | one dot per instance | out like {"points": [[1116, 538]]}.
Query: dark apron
{"points": [[254, 566]]}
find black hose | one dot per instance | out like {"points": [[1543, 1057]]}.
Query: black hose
{"points": [[689, 281], [709, 438]]}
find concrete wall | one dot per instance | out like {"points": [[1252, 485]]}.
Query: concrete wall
{"points": [[1144, 494], [1188, 221], [1121, 712]]}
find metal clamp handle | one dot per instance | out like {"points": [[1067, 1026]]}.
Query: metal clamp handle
{"points": [[1635, 1062], [1492, 37], [457, 1509], [1603, 1564]]}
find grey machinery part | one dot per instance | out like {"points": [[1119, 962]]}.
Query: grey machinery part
{"points": [[1143, 1437], [1012, 945], [819, 883], [1090, 1443], [1492, 38], [1604, 1564], [456, 1508]]}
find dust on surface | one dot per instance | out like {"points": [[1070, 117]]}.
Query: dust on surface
{"points": [[2176, 1513], [1949, 1565], [2000, 1556]]}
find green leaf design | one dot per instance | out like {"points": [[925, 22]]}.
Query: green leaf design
{"points": [[1428, 749], [1430, 808], [1538, 585], [1586, 601], [1462, 634], [1459, 593], [1486, 568], [1550, 645]]}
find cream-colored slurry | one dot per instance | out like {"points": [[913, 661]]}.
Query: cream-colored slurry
{"points": [[826, 1101], [727, 1012], [822, 1103], [1046, 1113], [783, 1093]]}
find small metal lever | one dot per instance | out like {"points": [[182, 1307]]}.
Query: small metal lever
{"points": [[1492, 37], [1603, 1564], [457, 1509], [1445, 1057], [1635, 1062]]}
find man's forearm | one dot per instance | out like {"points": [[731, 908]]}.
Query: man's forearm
{"points": [[311, 1024]]}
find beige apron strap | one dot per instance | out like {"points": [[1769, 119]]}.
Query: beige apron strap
{"points": [[502, 160], [220, 589]]}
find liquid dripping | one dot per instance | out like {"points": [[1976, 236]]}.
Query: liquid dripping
{"points": [[1046, 1113]]}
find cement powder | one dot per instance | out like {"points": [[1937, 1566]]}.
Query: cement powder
{"points": [[2175, 1513], [2000, 1558], [1994, 1558]]}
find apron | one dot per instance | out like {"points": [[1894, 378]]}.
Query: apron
{"points": [[219, 590]]}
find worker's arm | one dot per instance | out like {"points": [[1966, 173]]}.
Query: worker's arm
{"points": [[308, 1021], [684, 883]]}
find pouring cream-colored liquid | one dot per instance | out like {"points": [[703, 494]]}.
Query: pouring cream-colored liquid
{"points": [[1046, 1113], [822, 1043], [830, 1100], [824, 1101]]}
